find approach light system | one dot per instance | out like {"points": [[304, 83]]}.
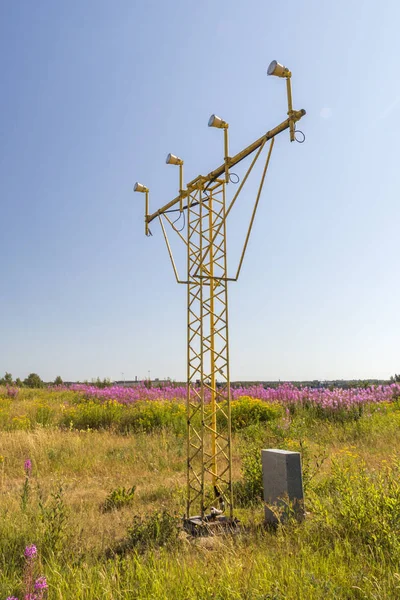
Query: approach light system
{"points": [[204, 204], [278, 70], [215, 121], [139, 187], [172, 159]]}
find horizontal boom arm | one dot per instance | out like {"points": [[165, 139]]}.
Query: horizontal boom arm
{"points": [[297, 115]]}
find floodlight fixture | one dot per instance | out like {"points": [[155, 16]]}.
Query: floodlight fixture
{"points": [[139, 187], [219, 123], [172, 159], [278, 70], [215, 121]]}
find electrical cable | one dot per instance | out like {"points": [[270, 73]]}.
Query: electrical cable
{"points": [[182, 214], [301, 140]]}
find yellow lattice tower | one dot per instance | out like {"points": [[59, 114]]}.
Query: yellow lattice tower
{"points": [[203, 201]]}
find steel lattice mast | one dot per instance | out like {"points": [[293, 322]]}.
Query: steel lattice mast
{"points": [[209, 447]]}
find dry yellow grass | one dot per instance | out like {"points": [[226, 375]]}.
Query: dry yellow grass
{"points": [[294, 563]]}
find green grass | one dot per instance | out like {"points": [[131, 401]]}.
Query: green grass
{"points": [[348, 546]]}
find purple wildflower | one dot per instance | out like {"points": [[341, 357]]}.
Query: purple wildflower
{"points": [[28, 466], [286, 394], [30, 597], [30, 551], [11, 598], [12, 392], [41, 584]]}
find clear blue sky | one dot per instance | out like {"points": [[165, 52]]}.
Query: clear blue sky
{"points": [[94, 95]]}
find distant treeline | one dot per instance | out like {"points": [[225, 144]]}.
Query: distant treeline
{"points": [[337, 383], [33, 380]]}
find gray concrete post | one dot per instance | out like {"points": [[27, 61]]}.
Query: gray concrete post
{"points": [[282, 481]]}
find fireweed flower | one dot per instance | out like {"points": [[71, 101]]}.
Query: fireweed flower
{"points": [[286, 394], [28, 466], [41, 584], [30, 551]]}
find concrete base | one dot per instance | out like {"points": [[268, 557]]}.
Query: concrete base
{"points": [[283, 484], [196, 526]]}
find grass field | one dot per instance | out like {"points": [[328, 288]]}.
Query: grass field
{"points": [[106, 483]]}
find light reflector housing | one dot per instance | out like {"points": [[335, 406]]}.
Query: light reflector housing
{"points": [[172, 159], [139, 187], [278, 70], [215, 121]]}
